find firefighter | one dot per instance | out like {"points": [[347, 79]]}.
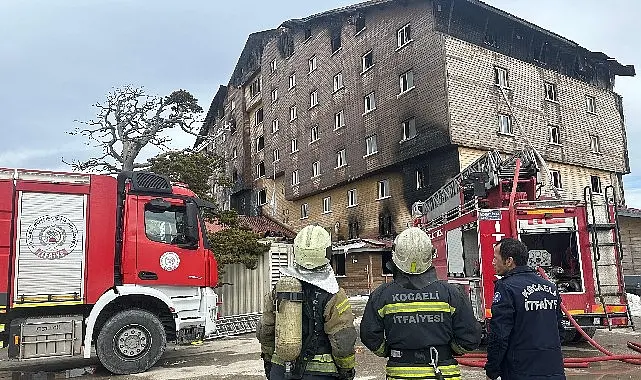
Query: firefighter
{"points": [[524, 333], [312, 321], [416, 321]]}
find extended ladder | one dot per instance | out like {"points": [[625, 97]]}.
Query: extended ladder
{"points": [[605, 242]]}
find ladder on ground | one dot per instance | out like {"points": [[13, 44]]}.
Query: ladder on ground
{"points": [[235, 325], [607, 252]]}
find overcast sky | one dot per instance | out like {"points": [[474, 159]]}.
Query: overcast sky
{"points": [[58, 57]]}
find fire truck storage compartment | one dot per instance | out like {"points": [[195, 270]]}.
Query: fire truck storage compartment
{"points": [[45, 337], [463, 251], [557, 253], [51, 246]]}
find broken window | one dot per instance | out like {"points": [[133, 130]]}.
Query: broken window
{"points": [[307, 34], [403, 36], [260, 170], [420, 179], [370, 144], [352, 199], [491, 38], [595, 146], [254, 88], [368, 60], [550, 92], [385, 225], [555, 134], [353, 229], [407, 81], [232, 126], [338, 264], [409, 129], [595, 182], [234, 175], [262, 197], [260, 143], [360, 23], [556, 179], [505, 124], [336, 42], [304, 211], [500, 77]]}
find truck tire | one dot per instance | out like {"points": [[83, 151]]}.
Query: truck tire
{"points": [[131, 341], [591, 331]]}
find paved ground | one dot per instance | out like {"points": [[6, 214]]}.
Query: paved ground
{"points": [[238, 358]]}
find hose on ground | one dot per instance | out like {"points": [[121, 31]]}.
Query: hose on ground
{"points": [[479, 359]]}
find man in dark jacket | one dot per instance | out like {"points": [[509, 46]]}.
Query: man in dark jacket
{"points": [[524, 333], [417, 321]]}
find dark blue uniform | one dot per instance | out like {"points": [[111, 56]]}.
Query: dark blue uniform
{"points": [[524, 333]]}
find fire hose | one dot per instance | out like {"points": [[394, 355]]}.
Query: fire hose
{"points": [[479, 359]]}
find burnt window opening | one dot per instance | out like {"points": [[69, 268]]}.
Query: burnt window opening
{"points": [[262, 197], [360, 23], [338, 264], [259, 116], [260, 143], [556, 179], [286, 45], [308, 34], [386, 257], [353, 230], [385, 227], [550, 92], [491, 38], [254, 88], [336, 42], [555, 135], [232, 126], [595, 184], [420, 179], [234, 176]]}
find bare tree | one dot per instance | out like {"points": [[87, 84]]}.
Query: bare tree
{"points": [[130, 120]]}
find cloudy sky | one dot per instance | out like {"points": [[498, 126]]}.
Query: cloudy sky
{"points": [[58, 57]]}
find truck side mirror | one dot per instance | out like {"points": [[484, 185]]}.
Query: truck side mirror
{"points": [[191, 225]]}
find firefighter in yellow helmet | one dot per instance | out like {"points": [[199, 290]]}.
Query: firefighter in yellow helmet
{"points": [[416, 321], [307, 327]]}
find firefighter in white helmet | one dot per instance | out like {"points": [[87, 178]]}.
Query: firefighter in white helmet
{"points": [[307, 327], [416, 321]]}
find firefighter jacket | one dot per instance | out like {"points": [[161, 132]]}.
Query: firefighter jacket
{"points": [[414, 317], [524, 332], [328, 337]]}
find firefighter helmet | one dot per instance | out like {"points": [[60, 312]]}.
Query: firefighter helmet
{"points": [[412, 251], [310, 247]]}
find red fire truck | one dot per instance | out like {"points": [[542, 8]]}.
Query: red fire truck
{"points": [[576, 242], [122, 264]]}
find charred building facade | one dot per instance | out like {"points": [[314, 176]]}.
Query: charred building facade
{"points": [[348, 117]]}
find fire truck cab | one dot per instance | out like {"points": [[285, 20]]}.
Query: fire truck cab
{"points": [[576, 242], [122, 264]]}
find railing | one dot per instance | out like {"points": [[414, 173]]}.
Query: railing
{"points": [[235, 325], [452, 214]]}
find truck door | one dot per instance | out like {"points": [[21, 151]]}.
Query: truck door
{"points": [[163, 256]]}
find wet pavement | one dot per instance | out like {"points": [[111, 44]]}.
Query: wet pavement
{"points": [[238, 358]]}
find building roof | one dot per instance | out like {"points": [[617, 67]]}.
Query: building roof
{"points": [[261, 224], [630, 212]]}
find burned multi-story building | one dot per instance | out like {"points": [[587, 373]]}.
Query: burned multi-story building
{"points": [[348, 117]]}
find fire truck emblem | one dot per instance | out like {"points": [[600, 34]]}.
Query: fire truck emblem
{"points": [[169, 261], [52, 237]]}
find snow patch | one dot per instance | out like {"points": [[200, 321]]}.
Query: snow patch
{"points": [[634, 302]]}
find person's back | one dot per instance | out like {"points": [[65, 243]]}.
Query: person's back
{"points": [[417, 321], [524, 331]]}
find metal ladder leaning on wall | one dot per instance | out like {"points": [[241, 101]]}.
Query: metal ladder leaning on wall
{"points": [[607, 251]]}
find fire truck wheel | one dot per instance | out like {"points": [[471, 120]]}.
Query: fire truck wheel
{"points": [[588, 330], [131, 341]]}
